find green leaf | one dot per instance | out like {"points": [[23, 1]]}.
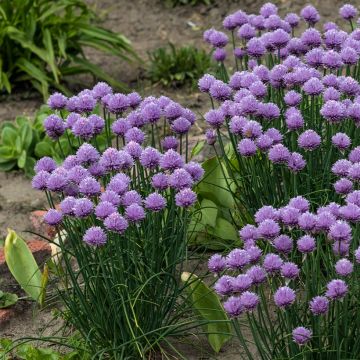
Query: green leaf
{"points": [[21, 120], [207, 304], [197, 148], [22, 265], [7, 299], [18, 145], [8, 136], [22, 159], [43, 148], [50, 53], [8, 165], [29, 166], [26, 135], [209, 212], [6, 154], [224, 230]]}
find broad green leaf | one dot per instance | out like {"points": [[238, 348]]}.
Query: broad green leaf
{"points": [[7, 153], [26, 135], [29, 166], [209, 212], [7, 299], [29, 352], [50, 53], [21, 120], [43, 148], [8, 165], [207, 304], [22, 265], [197, 148], [22, 159], [8, 136], [18, 145], [224, 230]]}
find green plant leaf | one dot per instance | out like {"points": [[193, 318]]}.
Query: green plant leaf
{"points": [[7, 299], [29, 166], [22, 159], [26, 135], [43, 148], [8, 136], [207, 304], [209, 212], [22, 265], [224, 230], [7, 153], [8, 165], [197, 148]]}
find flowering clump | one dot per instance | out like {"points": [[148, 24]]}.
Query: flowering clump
{"points": [[291, 107], [309, 272], [124, 196]]}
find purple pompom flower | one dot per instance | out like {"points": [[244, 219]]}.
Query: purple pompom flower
{"points": [[169, 142], [336, 289], [67, 205], [205, 82], [264, 142], [223, 285], [340, 231], [306, 244], [348, 11], [283, 244], [343, 186], [289, 270], [216, 263], [268, 229], [341, 141], [344, 267], [257, 274], [284, 296], [218, 39], [309, 140], [57, 101], [310, 15], [133, 149], [118, 103], [95, 236], [279, 154], [54, 126], [241, 283], [58, 180], [249, 300], [150, 158], [357, 255], [131, 197], [237, 259], [89, 186], [292, 98], [39, 181], [333, 111], [233, 306], [104, 209], [83, 207], [341, 167], [274, 134], [53, 217], [268, 9], [171, 160], [290, 215], [116, 223], [160, 181], [195, 170], [249, 232], [100, 90], [319, 305], [135, 134], [119, 183], [354, 172], [313, 86], [307, 221], [180, 125], [185, 198], [135, 213], [215, 118], [87, 154], [220, 91], [272, 263], [266, 212], [111, 197], [45, 164], [83, 128], [247, 147], [350, 212], [301, 335]]}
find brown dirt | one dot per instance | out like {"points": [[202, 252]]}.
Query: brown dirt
{"points": [[149, 24]]}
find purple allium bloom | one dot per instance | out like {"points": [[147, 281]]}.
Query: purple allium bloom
{"points": [[353, 198], [283, 244], [344, 267], [135, 134], [254, 253], [83, 128], [258, 89], [150, 158], [249, 232], [332, 59], [135, 213], [169, 142], [237, 259], [306, 244], [236, 124], [116, 223], [341, 167], [311, 37], [134, 99], [284, 296], [219, 54], [54, 126], [195, 170], [247, 147], [268, 229], [279, 154], [299, 202], [118, 103], [83, 207], [292, 19], [155, 202], [350, 212], [292, 98], [111, 197], [205, 82], [39, 181], [289, 215], [215, 118], [266, 212], [216, 263], [67, 205], [294, 119], [246, 32], [333, 39], [257, 274], [307, 221], [268, 9], [239, 53], [319, 305], [264, 142], [272, 263], [72, 104], [90, 186], [220, 91], [310, 15], [279, 38], [255, 48], [354, 155], [71, 119], [57, 181], [53, 217], [343, 186], [85, 103], [331, 94], [354, 172], [171, 160], [111, 159], [313, 86], [119, 183], [274, 134], [95, 236], [87, 154], [314, 57], [223, 285], [341, 248], [180, 179], [290, 270], [340, 231], [249, 105], [241, 283], [324, 220], [262, 72], [57, 101], [104, 209], [336, 289], [218, 39], [330, 26], [252, 129], [357, 255], [46, 163], [134, 119], [349, 56], [249, 300], [160, 181], [97, 122], [100, 90], [151, 113], [133, 149], [301, 335], [348, 11], [185, 198], [229, 22], [232, 305], [309, 140], [173, 110], [296, 47], [131, 197]]}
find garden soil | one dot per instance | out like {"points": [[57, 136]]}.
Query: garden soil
{"points": [[149, 25]]}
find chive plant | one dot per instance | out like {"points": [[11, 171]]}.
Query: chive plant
{"points": [[290, 109], [124, 208]]}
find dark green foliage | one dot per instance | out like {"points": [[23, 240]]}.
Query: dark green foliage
{"points": [[172, 66], [42, 42], [188, 2]]}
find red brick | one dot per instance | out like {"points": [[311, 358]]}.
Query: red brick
{"points": [[40, 226], [6, 315]]}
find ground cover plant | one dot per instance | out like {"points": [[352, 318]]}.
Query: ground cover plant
{"points": [[43, 41]]}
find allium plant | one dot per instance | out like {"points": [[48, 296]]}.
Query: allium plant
{"points": [[125, 210], [291, 108], [300, 295]]}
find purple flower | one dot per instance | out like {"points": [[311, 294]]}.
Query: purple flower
{"points": [[309, 140], [332, 60], [354, 155], [173, 110], [205, 82], [324, 220], [268, 9], [210, 136], [219, 90], [284, 296], [169, 142], [279, 154], [111, 159], [119, 183], [54, 126], [341, 167], [90, 186], [236, 124], [131, 197], [344, 267], [340, 231], [306, 244], [219, 54], [39, 181], [307, 221], [104, 209], [246, 32], [233, 306], [257, 274], [100, 90], [87, 154], [336, 289], [151, 113], [57, 181], [150, 158], [348, 11], [247, 147], [134, 99], [283, 244], [135, 213], [354, 172], [241, 283], [116, 223], [264, 142], [218, 39], [118, 103], [120, 126], [349, 56], [268, 229], [299, 202], [223, 285], [83, 207], [341, 141], [252, 129], [301, 335], [77, 173], [254, 253], [133, 149], [155, 202], [85, 102], [249, 232], [319, 305], [160, 181], [314, 57], [310, 15], [272, 263], [215, 118], [311, 38], [171, 160], [53, 217], [289, 270], [97, 122], [95, 236], [350, 212], [195, 170], [180, 125], [333, 111], [255, 48], [249, 300], [237, 259], [111, 197], [357, 255], [45, 164], [313, 86], [135, 134], [67, 205], [57, 101], [274, 134], [83, 128], [185, 198], [266, 212], [279, 38], [258, 89], [292, 98], [290, 215], [216, 263]]}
